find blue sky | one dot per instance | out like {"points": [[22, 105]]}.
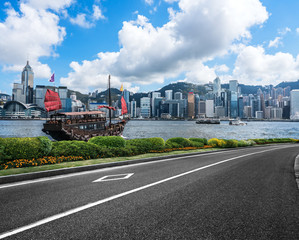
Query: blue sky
{"points": [[146, 44]]}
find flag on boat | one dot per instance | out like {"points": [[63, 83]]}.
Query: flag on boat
{"points": [[122, 88], [124, 109], [52, 101], [52, 78]]}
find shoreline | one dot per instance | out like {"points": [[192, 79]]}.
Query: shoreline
{"points": [[152, 119]]}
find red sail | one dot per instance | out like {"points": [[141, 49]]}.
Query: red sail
{"points": [[124, 109], [52, 101]]}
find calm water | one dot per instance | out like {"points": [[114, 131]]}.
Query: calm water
{"points": [[169, 129]]}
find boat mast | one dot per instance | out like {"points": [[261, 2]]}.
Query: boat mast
{"points": [[109, 96]]}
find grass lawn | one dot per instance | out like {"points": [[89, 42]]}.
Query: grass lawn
{"points": [[14, 171]]}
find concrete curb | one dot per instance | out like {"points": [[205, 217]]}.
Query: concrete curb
{"points": [[296, 169], [56, 172]]}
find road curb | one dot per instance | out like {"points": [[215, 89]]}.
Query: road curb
{"points": [[56, 172], [296, 169]]}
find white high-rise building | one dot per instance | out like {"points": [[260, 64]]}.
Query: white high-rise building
{"points": [[145, 105], [168, 94], [294, 104], [217, 86], [24, 92], [209, 108]]}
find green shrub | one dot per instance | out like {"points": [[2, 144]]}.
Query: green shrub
{"points": [[215, 142], [202, 140], [24, 148], [178, 142], [46, 145], [196, 143], [2, 148], [142, 145], [108, 141], [230, 143], [78, 148], [157, 143]]}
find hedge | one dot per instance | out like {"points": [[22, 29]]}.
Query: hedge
{"points": [[178, 142], [27, 148], [18, 152], [145, 145], [202, 140], [111, 141]]}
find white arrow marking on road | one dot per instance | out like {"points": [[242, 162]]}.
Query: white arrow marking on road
{"points": [[114, 177]]}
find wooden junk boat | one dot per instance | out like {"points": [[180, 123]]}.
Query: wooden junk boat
{"points": [[80, 125]]}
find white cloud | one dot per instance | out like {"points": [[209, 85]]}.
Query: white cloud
{"points": [[171, 1], [198, 31], [81, 21], [297, 30], [32, 33], [149, 2], [97, 13], [87, 21], [275, 43], [49, 4], [284, 31], [254, 66]]}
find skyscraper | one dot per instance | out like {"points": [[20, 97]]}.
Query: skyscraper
{"points": [[191, 105], [295, 104], [27, 81], [154, 95], [168, 94], [23, 91], [217, 86], [233, 86]]}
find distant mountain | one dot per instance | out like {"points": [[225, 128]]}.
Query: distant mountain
{"points": [[184, 88], [293, 85]]}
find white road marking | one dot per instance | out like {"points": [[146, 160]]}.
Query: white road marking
{"points": [[114, 177], [104, 169], [90, 205]]}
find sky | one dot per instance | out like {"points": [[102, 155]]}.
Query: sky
{"points": [[147, 44]]}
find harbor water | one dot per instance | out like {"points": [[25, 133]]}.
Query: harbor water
{"points": [[169, 129]]}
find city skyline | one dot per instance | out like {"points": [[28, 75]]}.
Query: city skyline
{"points": [[148, 44]]}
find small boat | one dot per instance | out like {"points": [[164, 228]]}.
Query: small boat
{"points": [[208, 121], [237, 122], [80, 125]]}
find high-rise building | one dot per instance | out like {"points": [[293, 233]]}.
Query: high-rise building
{"points": [[233, 86], [154, 95], [168, 94], [191, 105], [247, 112], [217, 86], [196, 104], [233, 105], [295, 104], [240, 107], [209, 108], [145, 105], [202, 109], [178, 96], [27, 81], [23, 91], [133, 109]]}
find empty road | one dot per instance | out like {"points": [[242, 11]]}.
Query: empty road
{"points": [[248, 193]]}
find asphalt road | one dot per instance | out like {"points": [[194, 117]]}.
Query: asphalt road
{"points": [[248, 193]]}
